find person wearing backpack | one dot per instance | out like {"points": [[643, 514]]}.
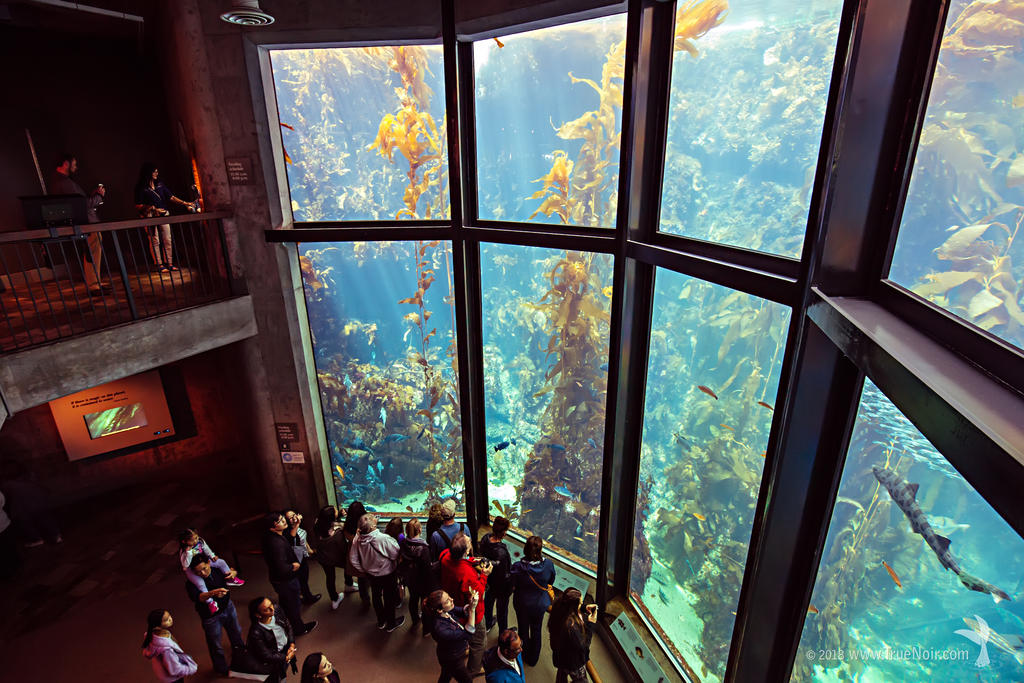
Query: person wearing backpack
{"points": [[499, 587], [443, 537], [414, 570]]}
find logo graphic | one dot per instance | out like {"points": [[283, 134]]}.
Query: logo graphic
{"points": [[978, 634]]}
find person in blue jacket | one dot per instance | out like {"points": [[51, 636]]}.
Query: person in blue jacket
{"points": [[504, 662], [532, 577]]}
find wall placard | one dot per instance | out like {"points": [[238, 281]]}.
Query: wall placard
{"points": [[287, 435], [293, 457], [637, 652], [239, 170]]}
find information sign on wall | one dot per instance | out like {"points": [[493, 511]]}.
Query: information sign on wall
{"points": [[636, 651]]}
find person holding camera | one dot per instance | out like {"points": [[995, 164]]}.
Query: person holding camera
{"points": [[463, 575], [225, 618], [571, 628], [153, 198], [299, 540], [454, 628]]}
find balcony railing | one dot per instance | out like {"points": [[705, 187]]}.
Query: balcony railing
{"points": [[52, 287]]}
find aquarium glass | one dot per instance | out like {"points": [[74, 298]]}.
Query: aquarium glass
{"points": [[545, 334], [381, 319], [890, 604], [363, 132], [960, 243], [750, 80], [548, 118], [712, 379]]}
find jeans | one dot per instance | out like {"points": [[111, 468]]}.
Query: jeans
{"points": [[531, 621], [226, 618], [160, 244], [385, 598], [414, 605], [303, 576], [499, 595], [288, 596]]}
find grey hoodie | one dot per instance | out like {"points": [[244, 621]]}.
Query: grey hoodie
{"points": [[375, 554], [170, 662]]}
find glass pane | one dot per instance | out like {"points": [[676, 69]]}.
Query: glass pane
{"points": [[548, 118], [546, 315], [381, 318], [712, 379], [965, 205], [749, 88], [363, 132], [890, 604]]}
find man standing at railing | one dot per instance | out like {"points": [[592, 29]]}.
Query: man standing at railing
{"points": [[63, 183]]}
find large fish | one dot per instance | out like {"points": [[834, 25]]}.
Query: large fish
{"points": [[1012, 645], [905, 496]]}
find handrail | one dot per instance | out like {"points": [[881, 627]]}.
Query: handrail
{"points": [[108, 226]]}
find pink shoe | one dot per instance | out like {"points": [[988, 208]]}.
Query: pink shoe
{"points": [[235, 581], [213, 607]]}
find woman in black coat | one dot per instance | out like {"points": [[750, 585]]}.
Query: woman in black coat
{"points": [[330, 544], [571, 628], [271, 640]]}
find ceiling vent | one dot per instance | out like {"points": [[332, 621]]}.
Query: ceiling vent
{"points": [[247, 13]]}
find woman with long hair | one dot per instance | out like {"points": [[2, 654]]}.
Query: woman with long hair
{"points": [[152, 199], [170, 663], [571, 628], [316, 668], [531, 579], [355, 511], [329, 541]]}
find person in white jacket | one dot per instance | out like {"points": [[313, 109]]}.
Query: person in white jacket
{"points": [[170, 663], [375, 555]]}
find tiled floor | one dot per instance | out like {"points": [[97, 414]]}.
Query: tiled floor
{"points": [[77, 610]]}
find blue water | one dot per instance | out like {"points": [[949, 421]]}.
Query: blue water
{"points": [[746, 109]]}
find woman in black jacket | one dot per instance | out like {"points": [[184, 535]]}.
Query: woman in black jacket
{"points": [[451, 636], [531, 578], [414, 569], [571, 628], [271, 640]]}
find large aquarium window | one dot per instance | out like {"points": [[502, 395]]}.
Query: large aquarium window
{"points": [[363, 132], [712, 379], [918, 570], [750, 80], [961, 225], [548, 118], [546, 328], [381, 316]]}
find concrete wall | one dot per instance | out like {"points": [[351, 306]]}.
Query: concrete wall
{"points": [[98, 98], [29, 440]]}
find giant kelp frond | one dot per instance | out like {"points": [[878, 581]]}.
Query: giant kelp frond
{"points": [[695, 18], [557, 181]]}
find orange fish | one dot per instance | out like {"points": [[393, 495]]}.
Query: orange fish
{"points": [[699, 516], [811, 609], [500, 44], [892, 573], [764, 454], [766, 405], [707, 391], [727, 427], [291, 128]]}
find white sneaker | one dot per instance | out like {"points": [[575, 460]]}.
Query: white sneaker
{"points": [[335, 603]]}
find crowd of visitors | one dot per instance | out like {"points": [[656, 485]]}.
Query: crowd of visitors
{"points": [[455, 592]]}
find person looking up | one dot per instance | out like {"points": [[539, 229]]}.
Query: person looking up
{"points": [[462, 576], [451, 635], [282, 569], [271, 638], [170, 663], [299, 540], [316, 668]]}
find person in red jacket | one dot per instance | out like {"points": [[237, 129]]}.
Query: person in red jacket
{"points": [[462, 575]]}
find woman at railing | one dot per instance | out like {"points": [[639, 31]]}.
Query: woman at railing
{"points": [[152, 198]]}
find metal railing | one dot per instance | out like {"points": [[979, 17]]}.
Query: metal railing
{"points": [[59, 282]]}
